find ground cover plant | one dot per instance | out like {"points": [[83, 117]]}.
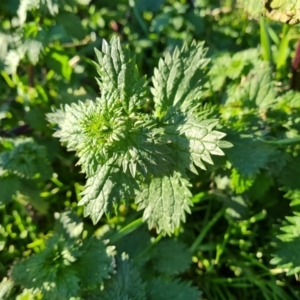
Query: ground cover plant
{"points": [[149, 151]]}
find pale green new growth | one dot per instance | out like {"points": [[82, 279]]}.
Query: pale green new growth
{"points": [[127, 153]]}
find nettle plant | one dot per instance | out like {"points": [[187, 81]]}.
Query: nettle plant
{"points": [[144, 159], [129, 154]]}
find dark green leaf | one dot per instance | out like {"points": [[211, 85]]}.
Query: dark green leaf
{"points": [[160, 289], [72, 24], [287, 257], [249, 155], [165, 201], [171, 257], [126, 284]]}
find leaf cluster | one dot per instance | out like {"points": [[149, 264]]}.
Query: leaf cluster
{"points": [[22, 162], [238, 204], [67, 264], [72, 265], [287, 257], [125, 152]]}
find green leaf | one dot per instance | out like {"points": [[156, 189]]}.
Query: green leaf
{"points": [[257, 91], [261, 185], [249, 155], [29, 192], [153, 6], [33, 49], [50, 271], [294, 196], [126, 283], [66, 263], [95, 263], [160, 289], [239, 183], [171, 257], [261, 90], [105, 190], [119, 76], [9, 186], [290, 175], [265, 41], [283, 51], [68, 225], [26, 160], [59, 63], [140, 238], [193, 140], [35, 117], [178, 81], [165, 201], [286, 112], [72, 24], [223, 67], [287, 257], [232, 66], [99, 131]]}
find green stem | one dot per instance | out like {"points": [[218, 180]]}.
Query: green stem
{"points": [[283, 50], [265, 41], [282, 141], [126, 230], [157, 239], [205, 230], [220, 248], [138, 17], [9, 82]]}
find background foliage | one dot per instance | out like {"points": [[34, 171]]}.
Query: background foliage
{"points": [[241, 240]]}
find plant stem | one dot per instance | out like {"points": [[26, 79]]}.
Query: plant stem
{"points": [[157, 239], [265, 41], [205, 230], [138, 17], [126, 230]]}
